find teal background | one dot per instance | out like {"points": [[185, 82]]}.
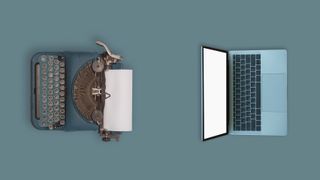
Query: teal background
{"points": [[161, 42]]}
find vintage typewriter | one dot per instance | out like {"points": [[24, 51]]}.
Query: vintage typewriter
{"points": [[71, 91]]}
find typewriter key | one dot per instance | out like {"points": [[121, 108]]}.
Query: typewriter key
{"points": [[50, 80], [62, 111], [44, 66], [56, 119], [56, 73], [50, 103], [56, 78], [50, 69], [56, 96], [50, 91], [50, 74], [62, 122], [56, 67], [56, 108], [44, 118], [56, 113], [62, 116], [50, 109], [50, 115], [56, 61], [62, 93], [44, 77], [43, 58], [56, 102], [61, 64], [62, 99], [61, 76], [50, 86], [50, 98], [62, 70], [62, 81], [43, 124], [50, 62], [44, 88], [62, 105], [44, 111], [44, 106], [62, 87], [44, 83], [44, 100]]}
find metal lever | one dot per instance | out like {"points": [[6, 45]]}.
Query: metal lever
{"points": [[115, 56]]}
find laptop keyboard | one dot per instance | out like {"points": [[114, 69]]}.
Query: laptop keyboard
{"points": [[246, 92]]}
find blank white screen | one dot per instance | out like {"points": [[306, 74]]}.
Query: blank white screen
{"points": [[214, 92]]}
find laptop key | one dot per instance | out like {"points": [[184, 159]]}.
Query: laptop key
{"points": [[247, 57], [258, 128], [253, 125], [258, 111], [253, 62], [243, 127], [258, 67], [258, 56], [248, 126], [258, 61], [258, 95], [258, 78]]}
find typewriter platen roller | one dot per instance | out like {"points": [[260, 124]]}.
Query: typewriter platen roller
{"points": [[69, 90]]}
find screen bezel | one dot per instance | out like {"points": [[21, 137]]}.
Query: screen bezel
{"points": [[202, 93]]}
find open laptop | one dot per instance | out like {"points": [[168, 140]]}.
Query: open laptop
{"points": [[243, 92]]}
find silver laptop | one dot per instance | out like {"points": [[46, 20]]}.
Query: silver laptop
{"points": [[243, 92]]}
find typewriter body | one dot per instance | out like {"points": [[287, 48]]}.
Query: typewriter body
{"points": [[69, 90]]}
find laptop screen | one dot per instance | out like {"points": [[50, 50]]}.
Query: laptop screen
{"points": [[214, 92]]}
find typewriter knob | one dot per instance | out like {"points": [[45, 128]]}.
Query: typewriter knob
{"points": [[98, 65], [97, 116]]}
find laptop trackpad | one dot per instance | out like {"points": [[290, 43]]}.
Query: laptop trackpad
{"points": [[273, 91]]}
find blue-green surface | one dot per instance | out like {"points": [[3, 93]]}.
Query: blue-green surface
{"points": [[161, 42]]}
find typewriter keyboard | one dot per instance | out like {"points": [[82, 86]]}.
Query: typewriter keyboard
{"points": [[51, 91]]}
